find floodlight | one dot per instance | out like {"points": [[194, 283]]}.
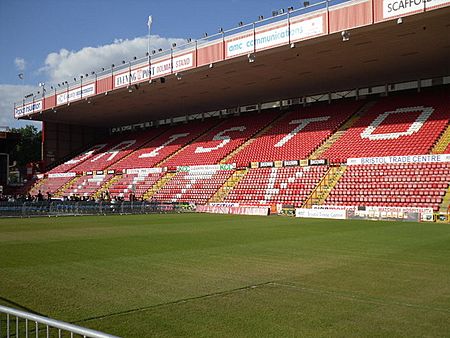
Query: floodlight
{"points": [[345, 35]]}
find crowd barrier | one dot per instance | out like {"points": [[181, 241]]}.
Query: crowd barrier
{"points": [[76, 208]]}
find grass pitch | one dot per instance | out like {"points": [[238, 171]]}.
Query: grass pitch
{"points": [[230, 276]]}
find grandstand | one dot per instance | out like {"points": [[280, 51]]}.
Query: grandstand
{"points": [[338, 109], [315, 119]]}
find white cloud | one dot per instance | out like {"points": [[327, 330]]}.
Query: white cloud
{"points": [[64, 65], [20, 63], [8, 95]]}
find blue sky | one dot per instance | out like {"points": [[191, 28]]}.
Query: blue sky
{"points": [[53, 40]]}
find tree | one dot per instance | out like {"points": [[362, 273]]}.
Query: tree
{"points": [[28, 148]]}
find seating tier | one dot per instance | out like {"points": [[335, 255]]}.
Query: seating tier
{"points": [[401, 125], [393, 185], [298, 134], [277, 185]]}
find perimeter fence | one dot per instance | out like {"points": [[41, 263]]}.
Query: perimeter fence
{"points": [[78, 208]]}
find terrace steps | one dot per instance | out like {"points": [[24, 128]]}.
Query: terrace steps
{"points": [[443, 208], [323, 189], [106, 186], [442, 143], [59, 192], [232, 181], [158, 185], [38, 184]]}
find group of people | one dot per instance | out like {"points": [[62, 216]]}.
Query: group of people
{"points": [[105, 196], [39, 197]]}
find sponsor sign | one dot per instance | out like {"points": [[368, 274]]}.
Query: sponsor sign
{"points": [[266, 164], [99, 172], [436, 158], [321, 213], [278, 164], [76, 94], [318, 162], [224, 204], [212, 167], [111, 171], [335, 207], [274, 37], [293, 163], [393, 8], [136, 75], [234, 210], [62, 175], [28, 109], [304, 163], [176, 64], [144, 171], [89, 172], [378, 214], [156, 69]]}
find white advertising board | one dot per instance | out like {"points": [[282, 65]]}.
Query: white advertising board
{"points": [[76, 94], [28, 109], [273, 37], [321, 213], [394, 8], [435, 158]]}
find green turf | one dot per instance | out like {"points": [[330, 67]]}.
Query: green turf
{"points": [[230, 276]]}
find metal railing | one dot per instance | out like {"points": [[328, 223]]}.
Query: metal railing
{"points": [[19, 323], [78, 208]]}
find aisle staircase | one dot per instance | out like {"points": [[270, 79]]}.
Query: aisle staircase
{"points": [[60, 191], [323, 189], [443, 208], [224, 190], [35, 187], [158, 185], [106, 186], [341, 131], [442, 143]]}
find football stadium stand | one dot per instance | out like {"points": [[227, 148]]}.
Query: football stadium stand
{"points": [[197, 185], [86, 186], [220, 141], [133, 183], [396, 185], [289, 185], [297, 134], [50, 185], [102, 155], [165, 145], [402, 125]]}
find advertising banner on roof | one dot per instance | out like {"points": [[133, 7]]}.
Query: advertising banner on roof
{"points": [[435, 158], [273, 37], [76, 94], [159, 68], [28, 109], [176, 64], [394, 8], [136, 75]]}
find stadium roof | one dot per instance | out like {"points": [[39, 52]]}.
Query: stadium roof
{"points": [[386, 52]]}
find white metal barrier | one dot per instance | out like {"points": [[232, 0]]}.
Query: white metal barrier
{"points": [[23, 324]]}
